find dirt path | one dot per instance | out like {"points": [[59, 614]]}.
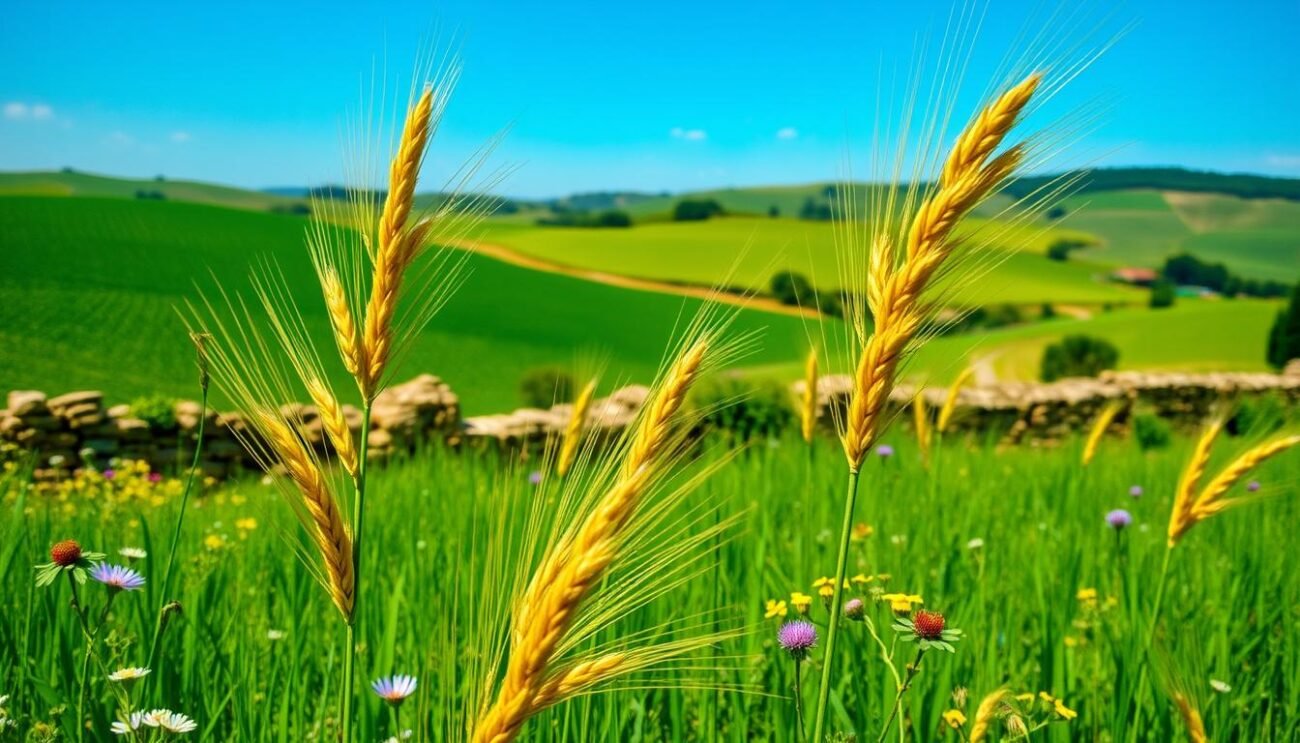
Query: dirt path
{"points": [[514, 257]]}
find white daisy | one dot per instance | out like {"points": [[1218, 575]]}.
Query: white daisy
{"points": [[275, 634], [129, 725], [128, 674], [394, 689], [133, 553], [172, 722], [1220, 686], [975, 544]]}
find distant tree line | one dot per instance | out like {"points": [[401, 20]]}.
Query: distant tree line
{"points": [[794, 289], [1185, 269], [568, 218], [696, 210], [1169, 179], [1284, 337], [140, 193]]}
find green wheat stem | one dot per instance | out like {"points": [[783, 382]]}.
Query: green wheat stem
{"points": [[358, 513], [841, 569], [912, 670], [176, 531]]}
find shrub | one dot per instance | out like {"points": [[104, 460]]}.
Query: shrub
{"points": [[1151, 431], [1284, 338], [744, 409], [695, 210], [1163, 294], [545, 386], [1259, 416], [158, 411], [1061, 249], [1077, 356]]}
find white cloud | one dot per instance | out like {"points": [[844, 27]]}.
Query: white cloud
{"points": [[788, 132], [690, 135], [1283, 161], [19, 110], [180, 136], [120, 139]]}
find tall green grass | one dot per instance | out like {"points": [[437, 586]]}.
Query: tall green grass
{"points": [[1230, 612]]}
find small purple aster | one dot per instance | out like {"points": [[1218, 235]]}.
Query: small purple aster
{"points": [[885, 451], [1135, 491], [797, 638], [155, 477], [394, 689], [110, 474], [116, 577], [535, 477], [1253, 486], [1119, 518]]}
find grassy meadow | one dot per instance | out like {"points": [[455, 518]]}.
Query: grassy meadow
{"points": [[1010, 545]]}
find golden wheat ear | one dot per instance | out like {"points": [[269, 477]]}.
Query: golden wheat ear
{"points": [[950, 399], [574, 429], [1100, 425], [990, 708], [612, 558], [808, 401]]}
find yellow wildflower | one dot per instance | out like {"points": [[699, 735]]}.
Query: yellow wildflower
{"points": [[1087, 595], [954, 718], [774, 609], [861, 531], [1065, 712], [801, 602], [214, 541], [247, 524], [861, 579], [901, 603], [1026, 697]]}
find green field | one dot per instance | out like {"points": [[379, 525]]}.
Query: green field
{"points": [[90, 288], [749, 250], [88, 184]]}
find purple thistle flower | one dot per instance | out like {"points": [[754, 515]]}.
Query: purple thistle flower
{"points": [[535, 477], [116, 577], [855, 610], [1135, 491], [1253, 486], [110, 474], [1119, 518], [797, 638], [885, 451], [394, 689], [155, 477]]}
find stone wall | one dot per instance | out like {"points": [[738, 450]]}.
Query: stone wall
{"points": [[64, 429]]}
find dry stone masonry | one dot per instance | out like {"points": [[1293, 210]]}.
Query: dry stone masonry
{"points": [[65, 430]]}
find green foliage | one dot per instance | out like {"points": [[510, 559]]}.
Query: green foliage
{"points": [[1163, 294], [545, 386], [744, 409], [567, 218], [1077, 356], [1170, 179], [696, 210], [159, 411], [1151, 431], [1061, 249], [1284, 335], [815, 210], [1187, 269], [1261, 415], [788, 287]]}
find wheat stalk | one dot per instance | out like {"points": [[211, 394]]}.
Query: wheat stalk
{"points": [[566, 682], [1191, 718], [950, 400], [573, 430], [808, 402], [396, 246], [921, 420], [1098, 431], [895, 296], [1180, 519], [328, 530], [335, 424], [986, 714], [578, 563], [342, 321], [1188, 513]]}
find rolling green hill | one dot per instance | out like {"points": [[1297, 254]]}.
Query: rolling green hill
{"points": [[71, 183], [88, 289]]}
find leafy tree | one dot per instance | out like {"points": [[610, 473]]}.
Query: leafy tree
{"points": [[545, 386], [1163, 294], [1284, 338], [789, 287], [695, 210], [744, 409], [1077, 356], [774, 211]]}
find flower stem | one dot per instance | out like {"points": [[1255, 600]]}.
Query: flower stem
{"points": [[841, 569], [798, 704], [912, 670], [358, 513], [1143, 662], [176, 534]]}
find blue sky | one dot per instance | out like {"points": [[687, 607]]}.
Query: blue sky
{"points": [[670, 95]]}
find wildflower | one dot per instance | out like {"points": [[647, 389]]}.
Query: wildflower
{"points": [[128, 676], [1219, 686], [801, 602], [901, 603], [406, 735], [155, 477], [1016, 726], [214, 541], [898, 539], [275, 635], [394, 689], [861, 579], [1118, 519], [1087, 596], [826, 587], [928, 630], [975, 544], [954, 718], [57, 460], [109, 474], [1253, 486], [535, 477], [172, 722], [1135, 491], [861, 531], [1064, 712], [855, 610], [116, 577], [128, 726], [797, 638], [66, 553], [884, 451], [774, 608], [133, 553], [247, 524]]}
